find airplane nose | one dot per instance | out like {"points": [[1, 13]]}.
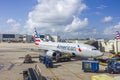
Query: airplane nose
{"points": [[97, 53], [100, 53]]}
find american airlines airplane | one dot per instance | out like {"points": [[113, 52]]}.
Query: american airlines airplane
{"points": [[75, 49]]}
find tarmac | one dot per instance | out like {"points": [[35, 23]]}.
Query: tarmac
{"points": [[12, 66]]}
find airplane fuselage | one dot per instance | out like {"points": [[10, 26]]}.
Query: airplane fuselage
{"points": [[82, 50]]}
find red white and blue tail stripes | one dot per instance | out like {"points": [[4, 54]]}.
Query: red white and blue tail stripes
{"points": [[37, 37], [117, 35]]}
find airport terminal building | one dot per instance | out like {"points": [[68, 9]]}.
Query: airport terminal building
{"points": [[15, 38], [26, 38]]}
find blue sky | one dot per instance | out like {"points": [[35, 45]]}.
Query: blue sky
{"points": [[16, 8], [67, 18], [98, 10]]}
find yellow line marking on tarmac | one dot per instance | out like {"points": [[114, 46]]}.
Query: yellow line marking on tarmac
{"points": [[77, 75], [54, 76]]}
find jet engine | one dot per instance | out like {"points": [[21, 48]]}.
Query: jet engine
{"points": [[52, 53]]}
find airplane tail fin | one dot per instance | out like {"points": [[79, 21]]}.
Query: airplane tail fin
{"points": [[37, 37], [117, 35]]}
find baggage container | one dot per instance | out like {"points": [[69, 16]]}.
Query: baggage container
{"points": [[90, 65]]}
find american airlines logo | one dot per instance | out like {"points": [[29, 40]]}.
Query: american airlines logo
{"points": [[79, 48], [72, 48], [66, 47]]}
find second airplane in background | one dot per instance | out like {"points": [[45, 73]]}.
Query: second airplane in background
{"points": [[75, 49]]}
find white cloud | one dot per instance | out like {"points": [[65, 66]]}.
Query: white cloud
{"points": [[102, 6], [13, 27], [112, 29], [107, 19], [76, 24], [56, 16]]}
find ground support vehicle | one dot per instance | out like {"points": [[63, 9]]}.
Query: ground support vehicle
{"points": [[113, 66], [46, 60]]}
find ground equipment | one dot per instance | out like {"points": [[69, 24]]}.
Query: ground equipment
{"points": [[30, 74], [49, 63], [90, 65], [42, 58], [63, 57], [113, 66], [28, 59], [46, 60]]}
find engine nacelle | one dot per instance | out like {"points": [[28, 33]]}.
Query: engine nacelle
{"points": [[52, 54]]}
